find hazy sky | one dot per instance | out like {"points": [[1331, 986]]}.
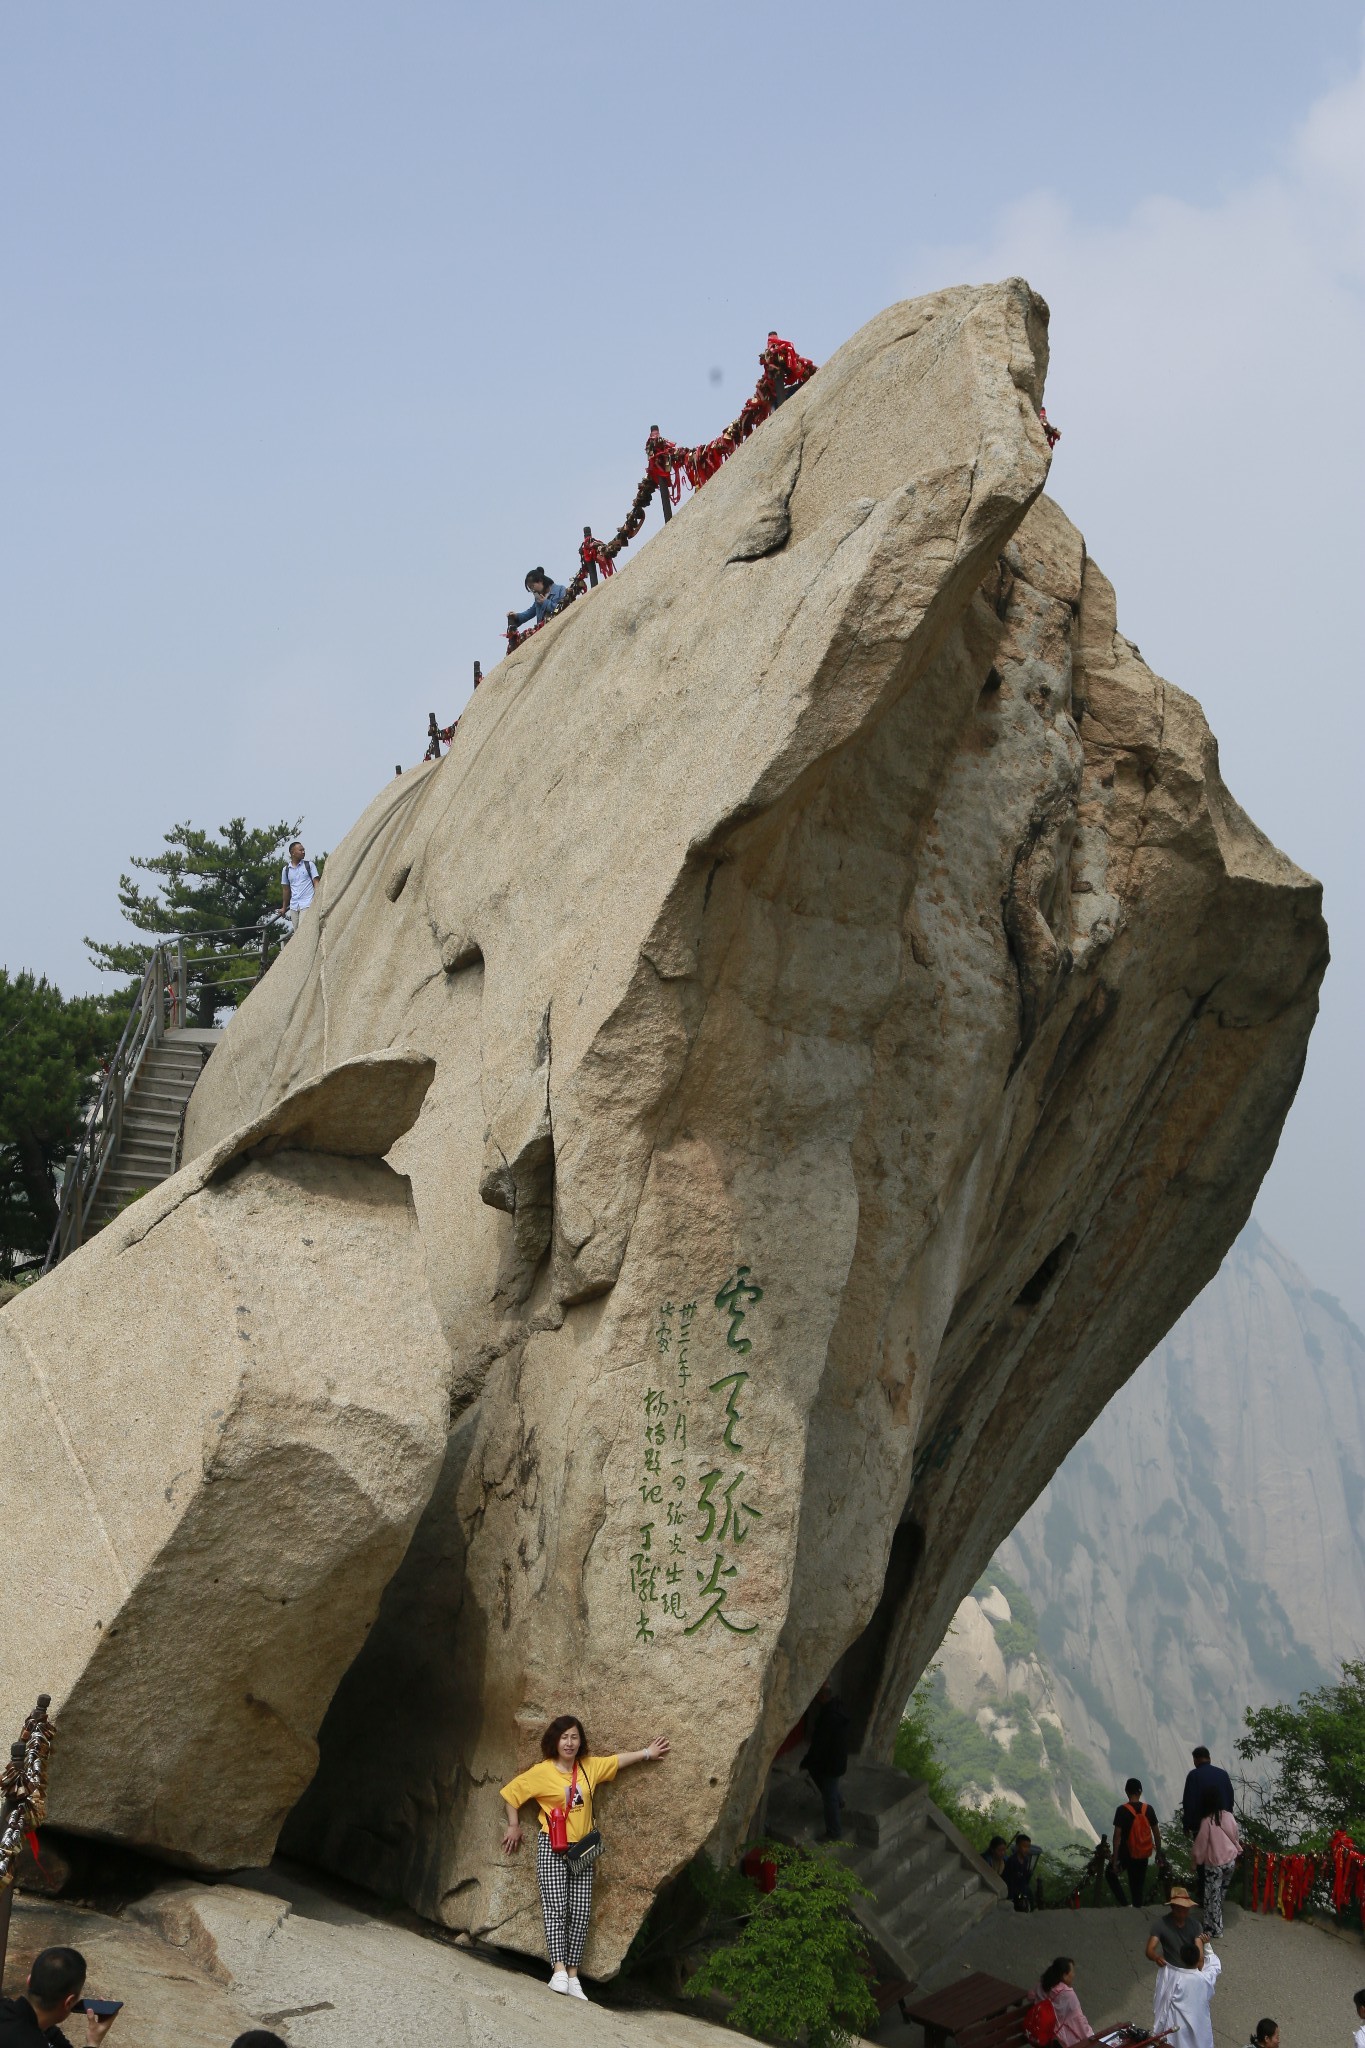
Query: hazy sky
{"points": [[322, 322]]}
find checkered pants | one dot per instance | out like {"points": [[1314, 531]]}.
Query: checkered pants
{"points": [[566, 1901]]}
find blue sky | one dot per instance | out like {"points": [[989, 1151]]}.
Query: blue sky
{"points": [[323, 322]]}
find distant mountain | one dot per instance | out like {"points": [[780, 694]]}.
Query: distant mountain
{"points": [[1202, 1549], [998, 1726]]}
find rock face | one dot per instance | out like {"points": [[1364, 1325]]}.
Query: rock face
{"points": [[219, 1420], [1202, 1549], [860, 1021]]}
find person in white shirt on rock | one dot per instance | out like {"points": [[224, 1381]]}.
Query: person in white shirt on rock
{"points": [[298, 880]]}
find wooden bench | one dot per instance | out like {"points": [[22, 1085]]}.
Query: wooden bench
{"points": [[980, 2012]]}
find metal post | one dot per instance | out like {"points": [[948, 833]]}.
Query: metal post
{"points": [[478, 675], [665, 501], [182, 983], [433, 738], [398, 767], [265, 947], [592, 566]]}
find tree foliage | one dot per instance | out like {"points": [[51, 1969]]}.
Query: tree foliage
{"points": [[797, 1969], [51, 1047], [208, 886], [1315, 1749]]}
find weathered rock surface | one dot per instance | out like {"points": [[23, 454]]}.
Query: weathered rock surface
{"points": [[218, 1424], [860, 1020]]}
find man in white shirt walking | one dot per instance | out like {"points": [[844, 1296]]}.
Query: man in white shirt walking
{"points": [[298, 880]]}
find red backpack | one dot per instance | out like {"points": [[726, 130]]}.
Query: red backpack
{"points": [[1040, 2023], [1141, 1840]]}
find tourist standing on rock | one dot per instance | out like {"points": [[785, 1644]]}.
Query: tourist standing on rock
{"points": [[562, 1785], [55, 1983], [1057, 1986], [1189, 1988], [1137, 1838], [1217, 1846], [546, 598], [827, 1758], [298, 879]]}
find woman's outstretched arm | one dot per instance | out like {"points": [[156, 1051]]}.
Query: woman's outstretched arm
{"points": [[652, 1753], [511, 1840]]}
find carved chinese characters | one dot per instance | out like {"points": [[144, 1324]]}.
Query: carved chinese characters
{"points": [[698, 1502]]}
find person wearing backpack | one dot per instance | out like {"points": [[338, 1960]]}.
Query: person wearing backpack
{"points": [[1055, 2015], [298, 879], [1217, 1846], [1137, 1838], [562, 1785]]}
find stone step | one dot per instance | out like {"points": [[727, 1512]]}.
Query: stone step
{"points": [[920, 1883], [926, 1934], [881, 1804], [140, 1144], [168, 1076], [151, 1123], [899, 1861]]}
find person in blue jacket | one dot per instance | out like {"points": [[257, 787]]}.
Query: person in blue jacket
{"points": [[1205, 1777], [546, 598]]}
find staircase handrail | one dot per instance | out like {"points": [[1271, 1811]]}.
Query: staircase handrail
{"points": [[104, 1123], [164, 988]]}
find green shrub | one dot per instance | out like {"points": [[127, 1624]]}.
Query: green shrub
{"points": [[798, 1966], [1015, 1641]]}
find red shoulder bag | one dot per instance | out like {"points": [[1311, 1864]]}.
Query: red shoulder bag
{"points": [[559, 1817]]}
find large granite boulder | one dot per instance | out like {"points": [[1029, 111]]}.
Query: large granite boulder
{"points": [[861, 1019], [220, 1420]]}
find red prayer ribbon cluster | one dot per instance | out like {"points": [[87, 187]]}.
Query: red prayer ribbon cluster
{"points": [[1348, 1874], [668, 466], [1284, 1883]]}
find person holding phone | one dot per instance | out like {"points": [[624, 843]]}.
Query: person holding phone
{"points": [[562, 1785], [55, 1984]]}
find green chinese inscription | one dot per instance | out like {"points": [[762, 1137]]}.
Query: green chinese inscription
{"points": [[735, 1381], [731, 1300], [713, 1590]]}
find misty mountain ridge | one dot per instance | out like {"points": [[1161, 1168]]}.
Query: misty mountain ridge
{"points": [[1200, 1551]]}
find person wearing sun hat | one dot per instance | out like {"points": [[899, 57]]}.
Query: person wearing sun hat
{"points": [[1179, 1929]]}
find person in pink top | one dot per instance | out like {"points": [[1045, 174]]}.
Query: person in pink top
{"points": [[1055, 1985], [1217, 1845]]}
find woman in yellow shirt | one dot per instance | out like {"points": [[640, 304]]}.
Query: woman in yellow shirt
{"points": [[566, 1777]]}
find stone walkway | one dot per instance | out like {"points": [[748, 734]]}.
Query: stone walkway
{"points": [[1303, 1976]]}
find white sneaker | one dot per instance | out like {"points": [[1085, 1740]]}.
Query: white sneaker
{"points": [[575, 1990], [559, 1981]]}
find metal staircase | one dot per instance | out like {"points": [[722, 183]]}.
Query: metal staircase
{"points": [[131, 1139], [930, 1885]]}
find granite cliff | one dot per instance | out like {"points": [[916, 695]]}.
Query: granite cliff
{"points": [[857, 1019], [1202, 1549]]}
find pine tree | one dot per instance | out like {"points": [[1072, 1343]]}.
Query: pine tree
{"points": [[223, 893], [50, 1054]]}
